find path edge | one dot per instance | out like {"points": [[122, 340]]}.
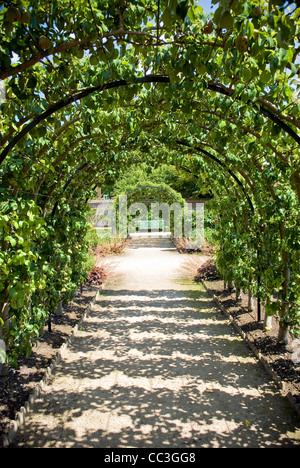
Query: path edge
{"points": [[280, 384], [20, 417]]}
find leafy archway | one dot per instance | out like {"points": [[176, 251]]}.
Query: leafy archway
{"points": [[150, 206], [93, 87]]}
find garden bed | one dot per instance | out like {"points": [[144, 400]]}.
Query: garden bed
{"points": [[278, 359]]}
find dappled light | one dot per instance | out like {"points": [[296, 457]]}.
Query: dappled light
{"points": [[157, 370]]}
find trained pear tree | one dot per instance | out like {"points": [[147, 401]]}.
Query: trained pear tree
{"points": [[94, 87]]}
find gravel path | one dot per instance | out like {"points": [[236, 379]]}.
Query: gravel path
{"points": [[155, 364]]}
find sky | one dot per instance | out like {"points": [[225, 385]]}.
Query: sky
{"points": [[206, 5]]}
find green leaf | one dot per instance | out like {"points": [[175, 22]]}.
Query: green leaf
{"points": [[247, 74], [265, 76], [167, 18], [250, 30], [274, 64], [11, 240], [182, 9]]}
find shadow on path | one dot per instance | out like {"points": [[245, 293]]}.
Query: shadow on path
{"points": [[153, 368]]}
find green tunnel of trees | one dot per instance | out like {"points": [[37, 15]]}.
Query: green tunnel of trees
{"points": [[91, 88]]}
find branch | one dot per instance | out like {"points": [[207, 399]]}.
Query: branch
{"points": [[67, 46], [120, 83], [223, 165]]}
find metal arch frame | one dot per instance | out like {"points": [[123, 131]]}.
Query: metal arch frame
{"points": [[218, 161], [183, 143], [116, 84]]}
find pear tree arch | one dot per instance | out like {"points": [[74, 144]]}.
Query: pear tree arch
{"points": [[93, 87]]}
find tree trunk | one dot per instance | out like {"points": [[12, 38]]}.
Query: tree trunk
{"points": [[250, 301], [230, 285], [268, 322], [283, 329], [59, 310], [4, 317], [238, 295], [296, 178], [283, 334]]}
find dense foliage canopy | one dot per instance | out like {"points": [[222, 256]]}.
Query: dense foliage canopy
{"points": [[95, 86]]}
